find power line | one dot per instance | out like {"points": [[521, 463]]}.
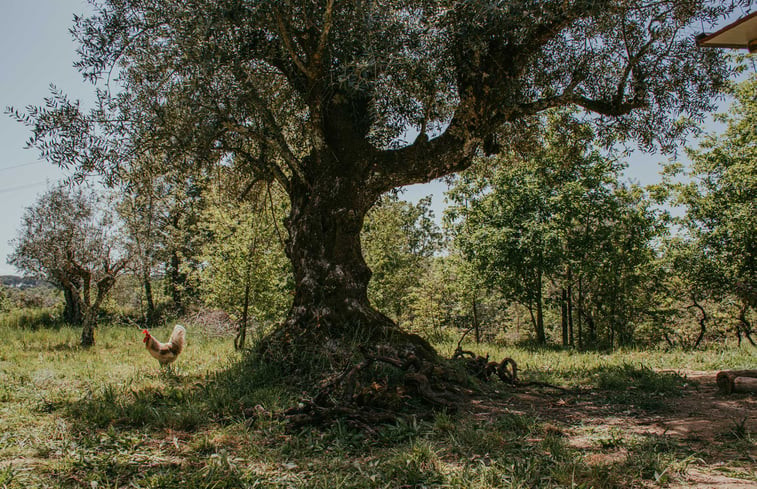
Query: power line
{"points": [[19, 187], [21, 165]]}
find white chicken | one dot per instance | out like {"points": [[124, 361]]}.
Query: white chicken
{"points": [[166, 353]]}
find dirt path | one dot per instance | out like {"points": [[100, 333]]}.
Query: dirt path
{"points": [[714, 435]]}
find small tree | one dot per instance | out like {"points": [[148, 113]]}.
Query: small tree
{"points": [[5, 302], [66, 239], [246, 271]]}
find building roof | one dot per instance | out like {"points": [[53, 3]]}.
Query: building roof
{"points": [[739, 34]]}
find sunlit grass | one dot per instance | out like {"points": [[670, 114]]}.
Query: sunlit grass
{"points": [[110, 417]]}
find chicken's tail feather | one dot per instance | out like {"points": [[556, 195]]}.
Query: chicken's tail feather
{"points": [[178, 337]]}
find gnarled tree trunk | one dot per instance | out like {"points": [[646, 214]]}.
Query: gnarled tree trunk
{"points": [[330, 313], [88, 328], [72, 313]]}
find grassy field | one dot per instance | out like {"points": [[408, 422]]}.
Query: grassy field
{"points": [[109, 418]]}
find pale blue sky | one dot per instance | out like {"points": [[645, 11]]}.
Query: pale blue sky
{"points": [[36, 50]]}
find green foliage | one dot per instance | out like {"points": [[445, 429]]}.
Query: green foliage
{"points": [[398, 241], [721, 199], [716, 257], [559, 214], [246, 272]]}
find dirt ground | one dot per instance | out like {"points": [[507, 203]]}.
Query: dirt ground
{"points": [[721, 430]]}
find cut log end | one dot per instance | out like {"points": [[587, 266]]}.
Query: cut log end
{"points": [[737, 381]]}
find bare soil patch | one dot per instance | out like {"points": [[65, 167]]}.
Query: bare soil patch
{"points": [[714, 433]]}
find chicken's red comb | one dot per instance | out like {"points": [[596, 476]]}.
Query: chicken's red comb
{"points": [[145, 331]]}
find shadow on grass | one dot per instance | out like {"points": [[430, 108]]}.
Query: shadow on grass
{"points": [[622, 386], [237, 392], [640, 387], [510, 450], [195, 432], [183, 402]]}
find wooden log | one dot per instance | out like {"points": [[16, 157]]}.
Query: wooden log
{"points": [[745, 384], [725, 380]]}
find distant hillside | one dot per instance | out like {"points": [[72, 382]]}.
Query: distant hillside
{"points": [[22, 282]]}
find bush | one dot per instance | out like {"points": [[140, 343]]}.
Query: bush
{"points": [[34, 318]]}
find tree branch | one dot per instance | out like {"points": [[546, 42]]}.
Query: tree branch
{"points": [[288, 44], [315, 62]]}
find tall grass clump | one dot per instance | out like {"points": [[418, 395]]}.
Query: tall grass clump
{"points": [[32, 318]]}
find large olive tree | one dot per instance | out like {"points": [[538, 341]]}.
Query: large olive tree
{"points": [[339, 102]]}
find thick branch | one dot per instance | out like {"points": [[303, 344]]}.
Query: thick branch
{"points": [[425, 159], [289, 45]]}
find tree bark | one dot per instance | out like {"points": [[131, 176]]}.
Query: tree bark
{"points": [[92, 309], [242, 333], [564, 316], [239, 340], [174, 281], [150, 315], [476, 326], [72, 313], [330, 311], [580, 311], [744, 326], [702, 321], [541, 338], [727, 380], [592, 327], [570, 309], [88, 328]]}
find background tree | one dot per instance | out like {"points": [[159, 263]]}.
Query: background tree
{"points": [[450, 297], [69, 240], [720, 199], [687, 278], [141, 207], [508, 235], [316, 97], [245, 269], [5, 300], [558, 215], [398, 238]]}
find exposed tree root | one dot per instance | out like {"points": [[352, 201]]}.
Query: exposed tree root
{"points": [[366, 394], [399, 375], [483, 369], [506, 370], [390, 383]]}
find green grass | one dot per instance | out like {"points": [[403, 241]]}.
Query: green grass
{"points": [[31, 318], [108, 417]]}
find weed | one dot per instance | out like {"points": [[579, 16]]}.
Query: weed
{"points": [[739, 430]]}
